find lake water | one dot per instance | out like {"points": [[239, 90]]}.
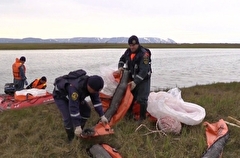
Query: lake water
{"points": [[171, 67]]}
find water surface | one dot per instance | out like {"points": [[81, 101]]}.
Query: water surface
{"points": [[171, 67]]}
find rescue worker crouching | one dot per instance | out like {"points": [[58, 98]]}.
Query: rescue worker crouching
{"points": [[40, 83], [69, 96]]}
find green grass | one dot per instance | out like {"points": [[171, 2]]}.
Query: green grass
{"points": [[31, 46], [38, 131]]}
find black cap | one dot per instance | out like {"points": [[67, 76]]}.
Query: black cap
{"points": [[43, 78], [133, 40], [96, 82], [23, 58]]}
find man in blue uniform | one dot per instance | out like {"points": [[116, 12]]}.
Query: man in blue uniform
{"points": [[138, 62], [69, 94]]}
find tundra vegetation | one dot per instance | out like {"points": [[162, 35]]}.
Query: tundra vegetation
{"points": [[39, 132]]}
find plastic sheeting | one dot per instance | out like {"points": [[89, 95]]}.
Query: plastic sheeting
{"points": [[110, 84], [26, 94], [161, 104]]}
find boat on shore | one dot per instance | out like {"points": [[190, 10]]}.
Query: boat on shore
{"points": [[25, 98]]}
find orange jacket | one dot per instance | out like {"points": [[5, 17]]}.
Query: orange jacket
{"points": [[15, 69], [37, 84]]}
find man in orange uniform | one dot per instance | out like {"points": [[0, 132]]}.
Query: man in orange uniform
{"points": [[40, 83], [19, 71]]}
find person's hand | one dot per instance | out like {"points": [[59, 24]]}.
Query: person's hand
{"points": [[119, 71], [132, 84], [78, 131], [26, 83], [104, 119]]}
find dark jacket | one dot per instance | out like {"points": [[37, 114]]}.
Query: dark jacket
{"points": [[139, 66], [76, 90]]}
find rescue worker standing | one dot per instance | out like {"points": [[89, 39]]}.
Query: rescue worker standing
{"points": [[138, 62], [70, 94], [19, 71], [40, 83]]}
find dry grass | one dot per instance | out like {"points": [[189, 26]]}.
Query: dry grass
{"points": [[38, 131]]}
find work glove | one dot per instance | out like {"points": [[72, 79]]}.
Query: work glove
{"points": [[78, 131], [119, 71], [132, 84], [26, 83], [104, 119]]}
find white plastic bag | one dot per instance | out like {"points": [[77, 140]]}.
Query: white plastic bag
{"points": [[175, 92], [161, 104], [109, 81]]}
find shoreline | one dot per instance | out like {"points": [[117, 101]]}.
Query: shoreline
{"points": [[33, 46]]}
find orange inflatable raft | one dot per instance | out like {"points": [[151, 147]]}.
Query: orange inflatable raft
{"points": [[25, 98]]}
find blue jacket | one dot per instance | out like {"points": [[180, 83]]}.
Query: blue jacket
{"points": [[76, 90]]}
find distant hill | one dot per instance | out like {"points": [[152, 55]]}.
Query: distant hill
{"points": [[85, 40]]}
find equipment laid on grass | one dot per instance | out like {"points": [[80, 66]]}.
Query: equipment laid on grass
{"points": [[103, 151], [161, 104], [115, 107], [217, 135]]}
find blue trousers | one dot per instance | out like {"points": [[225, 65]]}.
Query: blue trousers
{"points": [[140, 94], [18, 84], [63, 106]]}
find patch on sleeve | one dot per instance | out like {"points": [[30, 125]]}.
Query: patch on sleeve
{"points": [[146, 58], [74, 96]]}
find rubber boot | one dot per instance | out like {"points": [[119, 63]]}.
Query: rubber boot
{"points": [[143, 111], [70, 134], [129, 115]]}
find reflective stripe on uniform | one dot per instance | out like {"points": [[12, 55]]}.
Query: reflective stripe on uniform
{"points": [[96, 105], [56, 88], [75, 115], [84, 117], [139, 77]]}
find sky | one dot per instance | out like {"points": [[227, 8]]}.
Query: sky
{"points": [[184, 21]]}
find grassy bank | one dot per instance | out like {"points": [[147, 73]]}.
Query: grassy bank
{"points": [[38, 131], [31, 46]]}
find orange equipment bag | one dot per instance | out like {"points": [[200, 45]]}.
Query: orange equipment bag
{"points": [[217, 135], [115, 107]]}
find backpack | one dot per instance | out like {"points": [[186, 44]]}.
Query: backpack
{"points": [[9, 88], [74, 74], [73, 77]]}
